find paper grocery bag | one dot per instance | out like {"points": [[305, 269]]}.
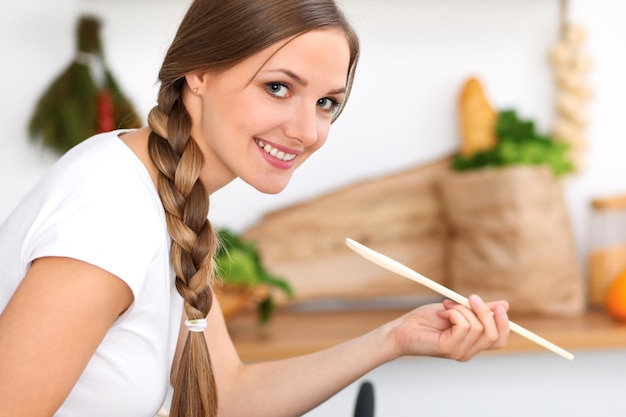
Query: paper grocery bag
{"points": [[511, 238]]}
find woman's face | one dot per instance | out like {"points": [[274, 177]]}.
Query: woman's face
{"points": [[262, 118]]}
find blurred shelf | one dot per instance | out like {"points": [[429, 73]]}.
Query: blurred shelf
{"points": [[295, 333]]}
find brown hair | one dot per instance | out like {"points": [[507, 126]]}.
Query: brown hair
{"points": [[213, 35]]}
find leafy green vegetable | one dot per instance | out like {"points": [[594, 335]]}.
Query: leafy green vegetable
{"points": [[519, 143], [239, 263]]}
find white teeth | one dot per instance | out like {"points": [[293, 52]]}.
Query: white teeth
{"points": [[275, 152]]}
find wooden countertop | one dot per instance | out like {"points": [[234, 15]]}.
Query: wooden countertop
{"points": [[294, 333]]}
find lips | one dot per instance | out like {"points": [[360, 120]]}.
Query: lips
{"points": [[278, 154]]}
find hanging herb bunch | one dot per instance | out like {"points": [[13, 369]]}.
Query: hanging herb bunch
{"points": [[84, 99]]}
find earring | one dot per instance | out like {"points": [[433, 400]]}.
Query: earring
{"points": [[195, 90]]}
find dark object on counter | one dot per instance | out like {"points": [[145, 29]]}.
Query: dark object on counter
{"points": [[364, 406]]}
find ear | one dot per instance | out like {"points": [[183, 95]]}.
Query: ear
{"points": [[197, 81]]}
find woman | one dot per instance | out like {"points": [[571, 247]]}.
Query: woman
{"points": [[107, 263]]}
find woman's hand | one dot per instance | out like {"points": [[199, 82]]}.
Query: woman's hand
{"points": [[450, 330]]}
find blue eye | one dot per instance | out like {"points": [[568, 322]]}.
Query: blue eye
{"points": [[328, 104], [277, 89]]}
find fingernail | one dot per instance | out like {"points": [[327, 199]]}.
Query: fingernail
{"points": [[474, 299]]}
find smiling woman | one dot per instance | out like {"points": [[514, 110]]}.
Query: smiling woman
{"points": [[284, 97], [116, 241]]}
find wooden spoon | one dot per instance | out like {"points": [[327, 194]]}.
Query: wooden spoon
{"points": [[400, 269]]}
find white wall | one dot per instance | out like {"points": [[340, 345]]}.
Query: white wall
{"points": [[416, 54]]}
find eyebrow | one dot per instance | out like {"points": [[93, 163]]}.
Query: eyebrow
{"points": [[304, 82]]}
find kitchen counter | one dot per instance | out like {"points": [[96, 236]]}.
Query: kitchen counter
{"points": [[292, 333]]}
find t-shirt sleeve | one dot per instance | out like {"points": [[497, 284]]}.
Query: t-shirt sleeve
{"points": [[112, 229]]}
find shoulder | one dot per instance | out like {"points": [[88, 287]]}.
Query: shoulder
{"points": [[104, 174], [99, 205], [103, 158]]}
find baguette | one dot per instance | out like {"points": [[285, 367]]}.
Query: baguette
{"points": [[477, 119]]}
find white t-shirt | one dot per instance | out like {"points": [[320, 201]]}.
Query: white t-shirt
{"points": [[99, 205]]}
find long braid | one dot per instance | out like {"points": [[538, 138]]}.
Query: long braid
{"points": [[186, 203], [213, 35]]}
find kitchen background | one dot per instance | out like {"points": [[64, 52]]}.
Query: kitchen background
{"points": [[416, 54]]}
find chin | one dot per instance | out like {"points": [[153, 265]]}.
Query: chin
{"points": [[268, 184], [270, 189]]}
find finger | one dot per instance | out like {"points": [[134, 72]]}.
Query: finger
{"points": [[493, 325], [492, 305], [452, 340], [490, 332], [485, 331], [466, 332], [475, 316], [502, 324], [447, 303], [499, 310]]}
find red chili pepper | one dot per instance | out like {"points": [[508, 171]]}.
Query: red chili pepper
{"points": [[106, 119]]}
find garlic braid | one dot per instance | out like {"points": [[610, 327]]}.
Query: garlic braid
{"points": [[179, 161]]}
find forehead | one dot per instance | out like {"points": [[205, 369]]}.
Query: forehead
{"points": [[321, 56]]}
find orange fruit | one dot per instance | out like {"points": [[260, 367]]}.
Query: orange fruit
{"points": [[615, 300]]}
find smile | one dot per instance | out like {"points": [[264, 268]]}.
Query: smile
{"points": [[275, 152]]}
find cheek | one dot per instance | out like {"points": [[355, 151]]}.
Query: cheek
{"points": [[258, 117], [322, 134]]}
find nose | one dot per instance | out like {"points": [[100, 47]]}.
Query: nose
{"points": [[303, 125]]}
